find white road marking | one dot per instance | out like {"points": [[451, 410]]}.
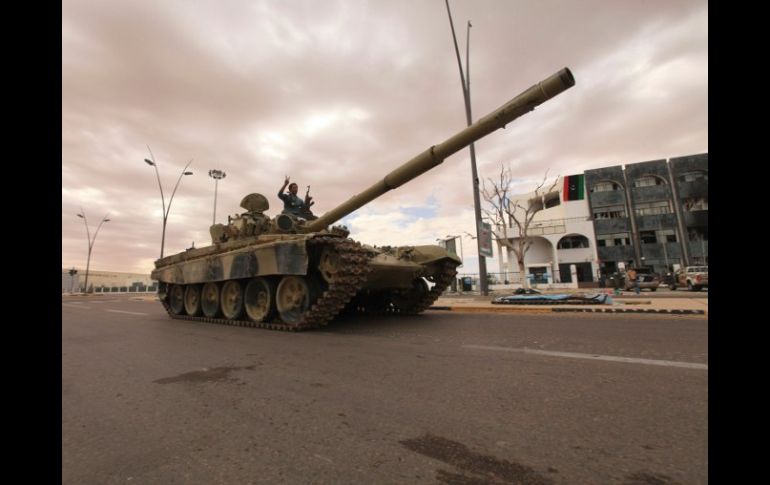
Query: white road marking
{"points": [[666, 363], [71, 305], [130, 313]]}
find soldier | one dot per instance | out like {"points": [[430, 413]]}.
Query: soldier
{"points": [[291, 203]]}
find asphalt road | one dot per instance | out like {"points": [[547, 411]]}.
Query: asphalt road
{"points": [[437, 398]]}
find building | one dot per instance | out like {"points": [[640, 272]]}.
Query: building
{"points": [[561, 234], [651, 214]]}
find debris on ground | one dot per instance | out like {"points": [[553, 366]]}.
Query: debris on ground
{"points": [[567, 299]]}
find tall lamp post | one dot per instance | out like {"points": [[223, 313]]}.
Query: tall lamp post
{"points": [[166, 210], [82, 215], [217, 175], [466, 85]]}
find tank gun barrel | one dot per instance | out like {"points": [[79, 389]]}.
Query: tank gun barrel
{"points": [[435, 155]]}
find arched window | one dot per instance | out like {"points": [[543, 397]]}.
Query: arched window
{"points": [[572, 242], [694, 175], [606, 186], [649, 181]]}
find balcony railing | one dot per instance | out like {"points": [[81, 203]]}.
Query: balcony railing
{"points": [[541, 228]]}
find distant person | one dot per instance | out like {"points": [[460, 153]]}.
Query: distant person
{"points": [[633, 277], [292, 204]]}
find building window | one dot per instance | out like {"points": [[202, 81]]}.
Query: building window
{"points": [[572, 242], [694, 175], [696, 204], [649, 181], [666, 235], [609, 212], [605, 186], [698, 233], [552, 200], [652, 208], [647, 237], [617, 239]]}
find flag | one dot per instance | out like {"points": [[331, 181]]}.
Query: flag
{"points": [[574, 188]]}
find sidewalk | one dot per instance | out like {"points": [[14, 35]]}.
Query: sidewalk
{"points": [[627, 303]]}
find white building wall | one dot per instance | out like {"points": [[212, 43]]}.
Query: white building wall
{"points": [[548, 227]]}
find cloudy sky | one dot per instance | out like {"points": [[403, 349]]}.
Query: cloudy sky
{"points": [[337, 93]]}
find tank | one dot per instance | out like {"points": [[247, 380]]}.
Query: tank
{"points": [[293, 272]]}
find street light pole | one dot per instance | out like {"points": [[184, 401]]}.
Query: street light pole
{"points": [[466, 81], [91, 242], [166, 210], [217, 175]]}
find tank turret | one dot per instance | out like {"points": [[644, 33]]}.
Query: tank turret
{"points": [[294, 273]]}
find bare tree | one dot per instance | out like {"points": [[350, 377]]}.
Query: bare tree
{"points": [[507, 212]]}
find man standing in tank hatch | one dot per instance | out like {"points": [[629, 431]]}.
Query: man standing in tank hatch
{"points": [[292, 204]]}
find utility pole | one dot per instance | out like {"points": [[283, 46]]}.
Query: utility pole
{"points": [[466, 84]]}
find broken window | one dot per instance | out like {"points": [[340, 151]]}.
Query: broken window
{"points": [[666, 235], [572, 242], [649, 181], [652, 208], [609, 212], [694, 175], [647, 237], [698, 233], [605, 186], [617, 239], [695, 204], [552, 200]]}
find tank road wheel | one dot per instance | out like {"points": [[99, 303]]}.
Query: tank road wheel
{"points": [[259, 299], [210, 300], [192, 300], [293, 298], [176, 299], [232, 299], [408, 300], [329, 263]]}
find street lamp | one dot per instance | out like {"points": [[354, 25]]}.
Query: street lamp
{"points": [[166, 210], [217, 175], [465, 80], [82, 215]]}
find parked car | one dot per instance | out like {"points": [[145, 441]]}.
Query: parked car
{"points": [[691, 277]]}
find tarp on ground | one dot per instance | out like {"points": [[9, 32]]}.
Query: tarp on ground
{"points": [[567, 299]]}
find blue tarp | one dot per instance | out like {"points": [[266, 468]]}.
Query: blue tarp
{"points": [[573, 299]]}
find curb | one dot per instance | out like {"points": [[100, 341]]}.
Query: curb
{"points": [[536, 309], [630, 310], [497, 309]]}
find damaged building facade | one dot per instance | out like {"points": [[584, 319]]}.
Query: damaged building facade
{"points": [[650, 214]]}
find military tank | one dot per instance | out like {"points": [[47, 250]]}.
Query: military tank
{"points": [[292, 272]]}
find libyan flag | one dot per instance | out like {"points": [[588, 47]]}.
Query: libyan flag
{"points": [[574, 188]]}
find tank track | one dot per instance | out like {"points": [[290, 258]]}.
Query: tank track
{"points": [[447, 273], [442, 281], [347, 282]]}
